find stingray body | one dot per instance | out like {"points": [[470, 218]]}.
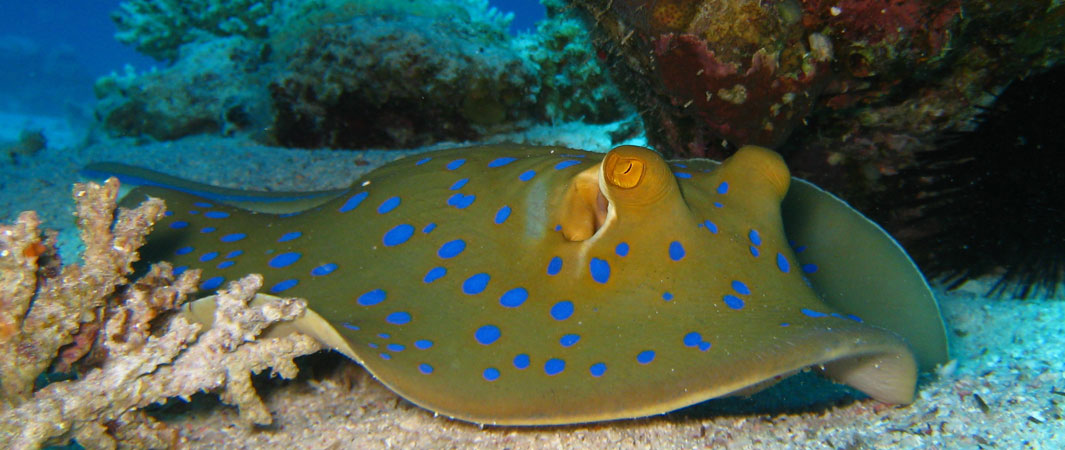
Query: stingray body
{"points": [[529, 285]]}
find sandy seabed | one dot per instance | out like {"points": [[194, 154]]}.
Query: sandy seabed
{"points": [[1005, 387]]}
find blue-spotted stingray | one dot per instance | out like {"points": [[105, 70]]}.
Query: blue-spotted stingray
{"points": [[541, 285]]}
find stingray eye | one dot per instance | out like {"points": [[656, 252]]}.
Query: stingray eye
{"points": [[626, 172]]}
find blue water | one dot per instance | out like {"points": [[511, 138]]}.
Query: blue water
{"points": [[51, 51]]}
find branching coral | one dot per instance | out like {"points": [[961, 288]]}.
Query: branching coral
{"points": [[44, 307]]}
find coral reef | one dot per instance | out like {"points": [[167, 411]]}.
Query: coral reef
{"points": [[215, 87], [158, 28], [53, 316], [574, 85], [29, 142], [397, 82], [748, 72], [354, 73]]}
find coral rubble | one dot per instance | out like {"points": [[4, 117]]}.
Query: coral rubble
{"points": [[139, 353]]}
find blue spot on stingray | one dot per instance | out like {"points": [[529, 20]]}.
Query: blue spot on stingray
{"points": [[286, 284], [503, 214], [491, 374], [514, 297], [554, 366], [371, 298], [398, 235], [225, 264], [809, 268], [855, 318], [434, 274], [600, 270], [429, 228], [566, 163], [558, 227], [475, 284], [353, 202], [395, 347], [179, 224], [180, 270], [521, 362], [667, 296], [597, 370], [733, 301], [811, 313], [234, 237], [168, 213], [234, 253], [398, 318], [461, 201], [622, 249], [755, 238], [692, 339], [216, 214], [722, 188], [741, 288], [384, 335], [451, 249], [284, 259], [486, 335], [388, 205], [704, 346], [203, 205], [350, 326], [455, 164], [500, 162], [710, 226], [193, 211], [527, 175], [371, 345], [423, 344], [208, 256], [676, 251], [719, 205], [553, 267], [782, 263], [645, 357], [754, 251], [324, 269], [562, 310], [425, 368], [799, 249], [422, 161], [206, 230], [211, 283], [569, 340], [682, 175], [385, 356], [289, 236], [459, 184], [785, 324]]}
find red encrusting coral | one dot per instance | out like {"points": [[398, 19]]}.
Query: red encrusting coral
{"points": [[876, 21], [752, 104]]}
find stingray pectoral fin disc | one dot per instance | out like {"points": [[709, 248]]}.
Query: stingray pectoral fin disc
{"points": [[861, 270]]}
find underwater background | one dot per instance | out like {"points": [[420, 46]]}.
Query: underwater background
{"points": [[936, 119]]}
